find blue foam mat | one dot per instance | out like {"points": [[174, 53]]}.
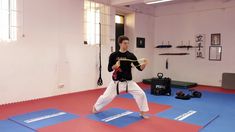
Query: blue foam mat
{"points": [[10, 126], [113, 117], [43, 118], [214, 103], [189, 116]]}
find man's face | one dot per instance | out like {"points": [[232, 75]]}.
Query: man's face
{"points": [[124, 44]]}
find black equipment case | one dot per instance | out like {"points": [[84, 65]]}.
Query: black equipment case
{"points": [[160, 85]]}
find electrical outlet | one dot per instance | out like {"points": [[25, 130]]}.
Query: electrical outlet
{"points": [[112, 50], [61, 85]]}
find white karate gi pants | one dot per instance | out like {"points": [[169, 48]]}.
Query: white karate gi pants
{"points": [[111, 92]]}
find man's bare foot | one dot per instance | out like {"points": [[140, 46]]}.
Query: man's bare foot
{"points": [[94, 111], [143, 115]]}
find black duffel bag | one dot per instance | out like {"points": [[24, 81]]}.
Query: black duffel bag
{"points": [[161, 85]]}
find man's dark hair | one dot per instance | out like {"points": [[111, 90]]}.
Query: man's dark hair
{"points": [[122, 38]]}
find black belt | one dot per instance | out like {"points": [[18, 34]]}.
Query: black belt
{"points": [[118, 86]]}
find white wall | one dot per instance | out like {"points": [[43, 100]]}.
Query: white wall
{"points": [[52, 52], [181, 22], [129, 29], [144, 25], [137, 26]]}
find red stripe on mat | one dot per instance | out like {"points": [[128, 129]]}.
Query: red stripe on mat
{"points": [[202, 88], [214, 89]]}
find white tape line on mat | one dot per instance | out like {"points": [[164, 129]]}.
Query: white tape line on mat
{"points": [[44, 117], [185, 115], [117, 116]]}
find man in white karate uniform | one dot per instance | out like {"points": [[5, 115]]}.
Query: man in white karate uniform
{"points": [[120, 62]]}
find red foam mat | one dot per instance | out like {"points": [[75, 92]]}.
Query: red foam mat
{"points": [[81, 103], [153, 124]]}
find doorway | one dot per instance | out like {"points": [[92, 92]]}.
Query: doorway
{"points": [[119, 21]]}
